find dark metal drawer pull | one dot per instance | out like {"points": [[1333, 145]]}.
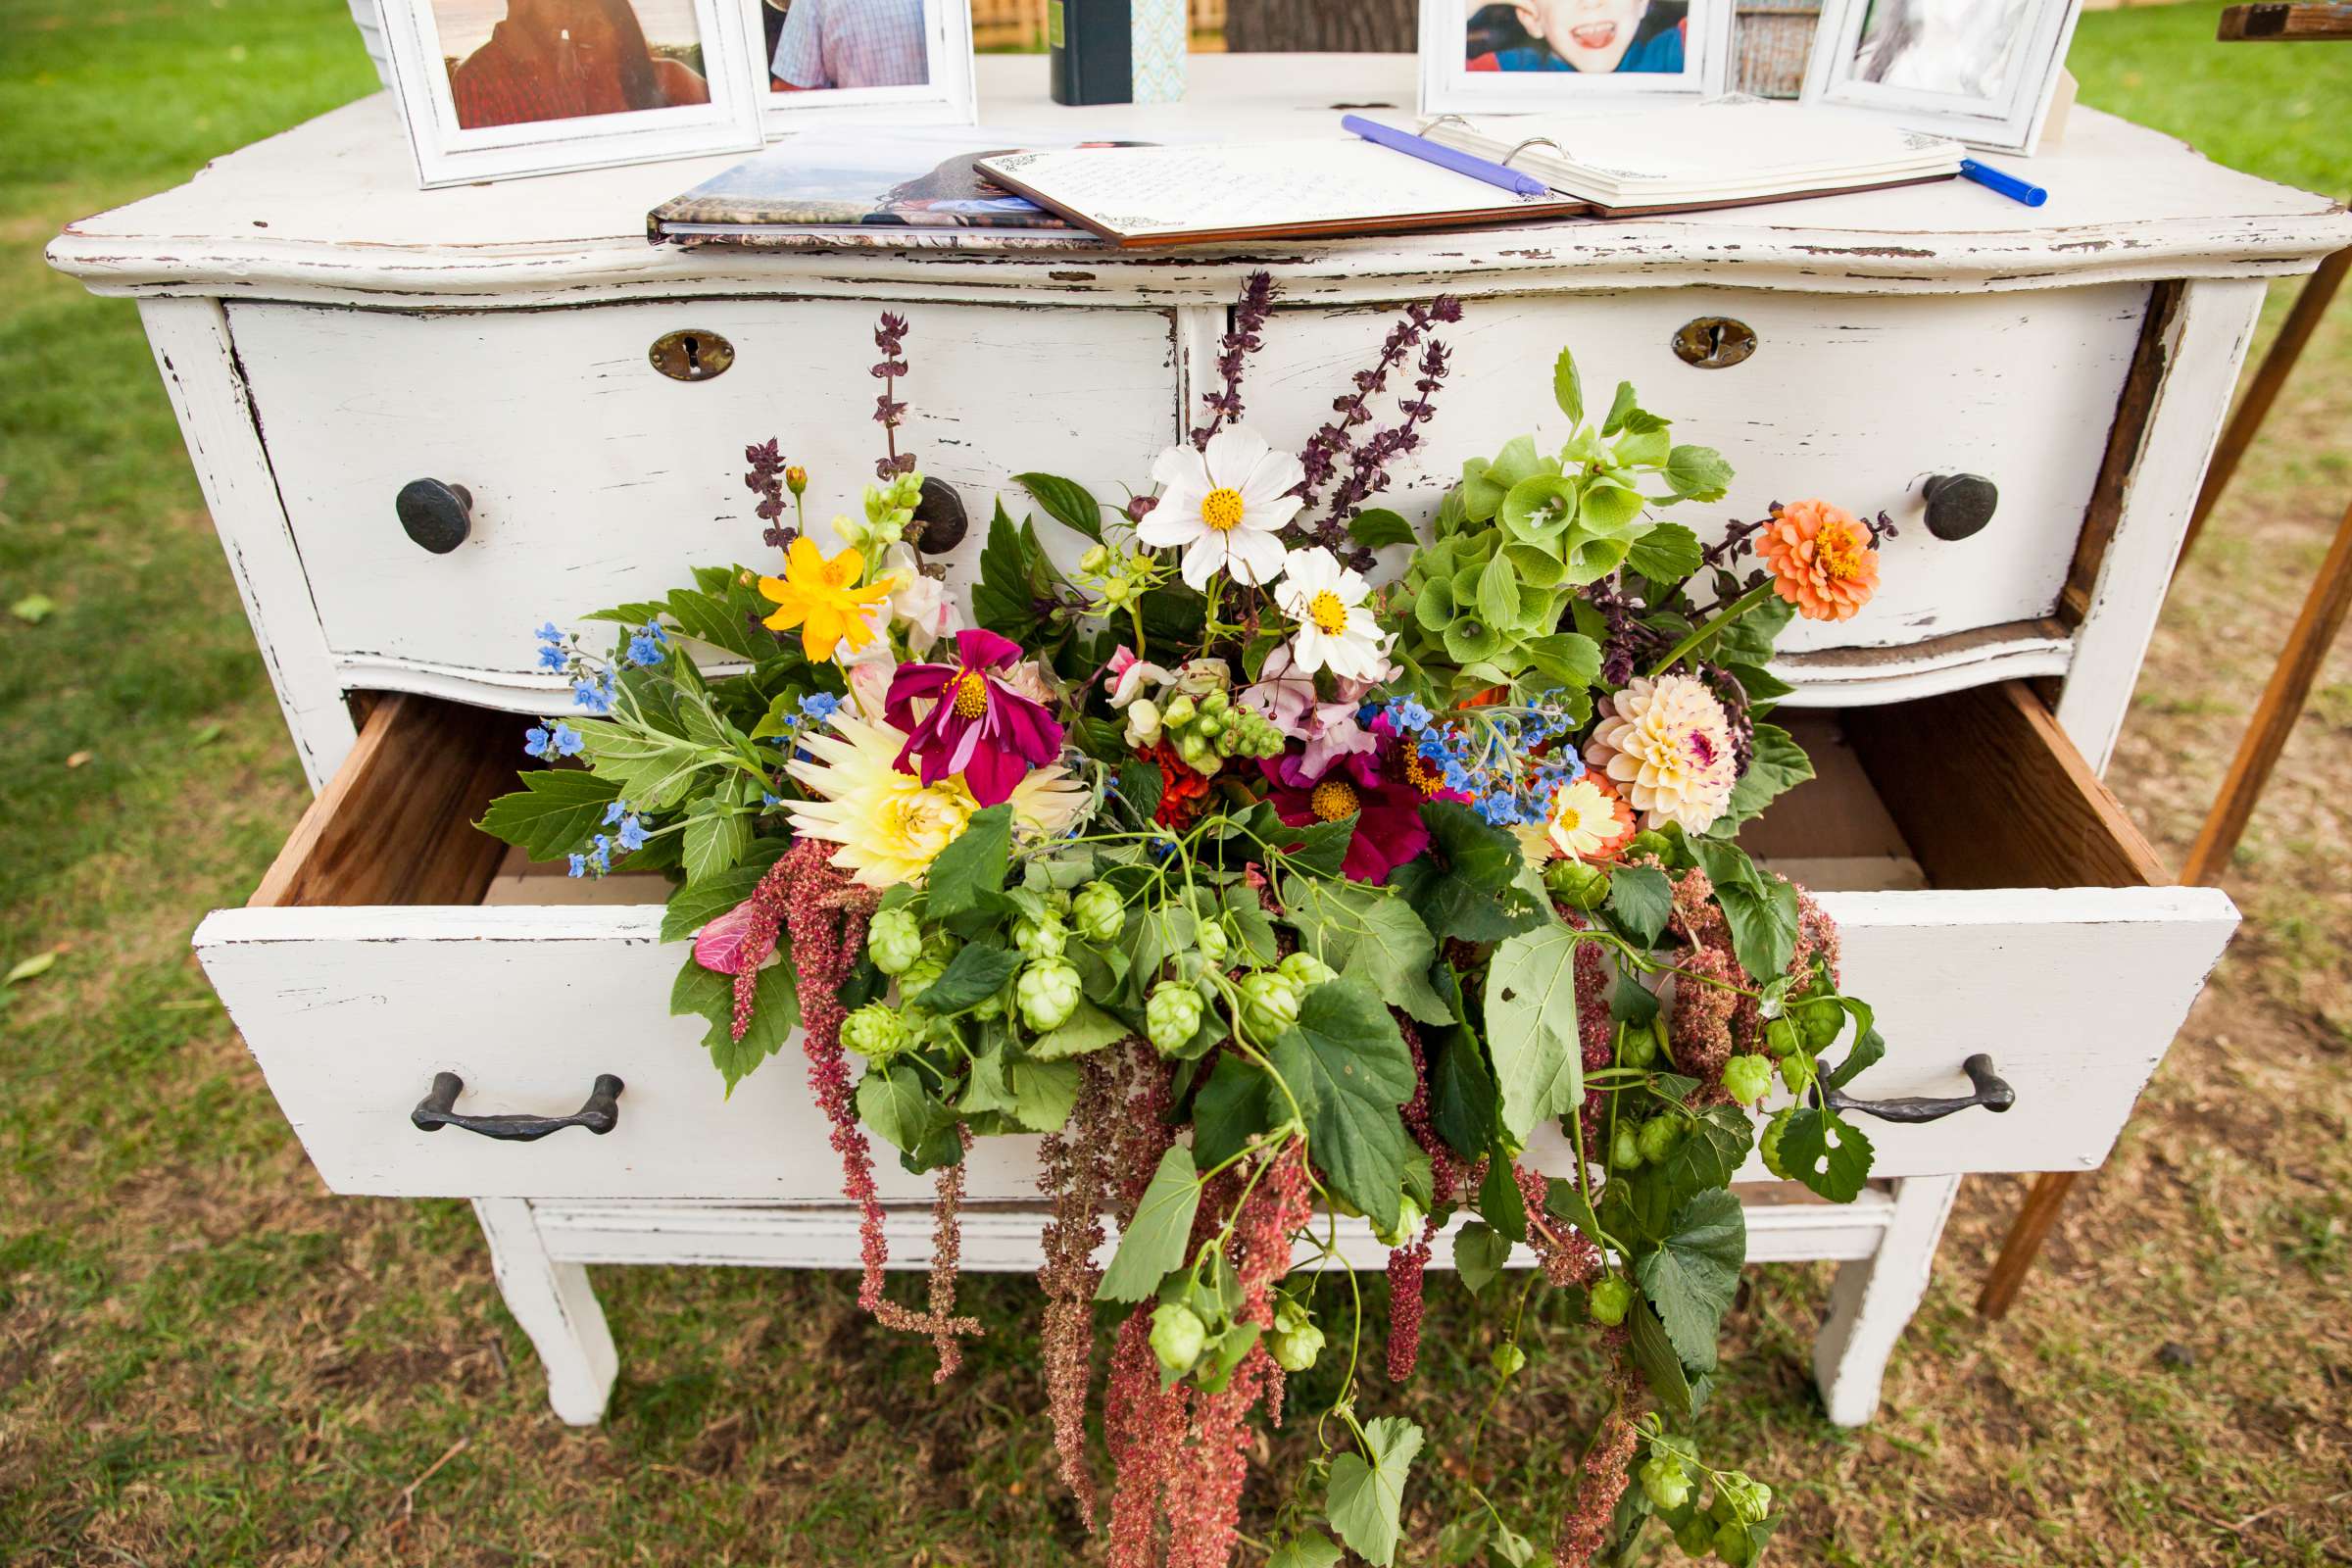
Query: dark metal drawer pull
{"points": [[1993, 1093], [600, 1115]]}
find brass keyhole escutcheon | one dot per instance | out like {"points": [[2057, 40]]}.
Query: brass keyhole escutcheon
{"points": [[1714, 342], [691, 354]]}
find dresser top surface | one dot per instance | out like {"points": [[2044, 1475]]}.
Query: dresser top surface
{"points": [[331, 208]]}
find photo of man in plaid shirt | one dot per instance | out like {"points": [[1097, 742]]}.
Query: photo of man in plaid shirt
{"points": [[850, 43]]}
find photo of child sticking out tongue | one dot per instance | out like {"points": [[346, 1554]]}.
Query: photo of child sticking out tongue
{"points": [[1587, 36]]}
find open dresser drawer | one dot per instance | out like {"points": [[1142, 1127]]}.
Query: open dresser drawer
{"points": [[368, 966]]}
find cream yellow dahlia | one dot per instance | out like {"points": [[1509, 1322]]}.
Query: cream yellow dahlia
{"points": [[1668, 745], [891, 825]]}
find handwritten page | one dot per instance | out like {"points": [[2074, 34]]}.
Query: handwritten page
{"points": [[1160, 195]]}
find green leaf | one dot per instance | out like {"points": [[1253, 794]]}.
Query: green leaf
{"points": [[1530, 1028], [978, 972], [1377, 526], [897, 1108], [1369, 934], [1309, 1548], [1065, 501], [1760, 684], [1566, 387], [1619, 407], [1465, 1105], [1003, 599], [712, 841], [1692, 1277], [1480, 1253], [1366, 1499], [1499, 1199], [972, 867], [32, 968], [1322, 846], [1642, 899], [775, 1012], [1667, 554], [1868, 1046], [33, 608], [1499, 591], [1779, 766], [1141, 787], [1826, 1153], [1697, 474], [1088, 1030], [557, 811], [1044, 1093], [1748, 640], [1711, 1149], [1351, 1073], [1154, 1243], [708, 619], [1661, 1368], [1569, 657], [1229, 1110], [1763, 922]]}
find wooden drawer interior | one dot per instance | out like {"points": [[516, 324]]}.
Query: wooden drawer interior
{"points": [[1973, 788]]}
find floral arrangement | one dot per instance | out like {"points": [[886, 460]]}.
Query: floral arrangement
{"points": [[1282, 868]]}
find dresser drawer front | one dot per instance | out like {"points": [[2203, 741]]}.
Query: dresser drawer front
{"points": [[596, 479], [352, 1012], [1851, 398]]}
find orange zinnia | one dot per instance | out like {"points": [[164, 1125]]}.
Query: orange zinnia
{"points": [[1822, 559]]}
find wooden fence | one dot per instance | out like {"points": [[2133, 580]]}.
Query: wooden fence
{"points": [[1021, 23]]}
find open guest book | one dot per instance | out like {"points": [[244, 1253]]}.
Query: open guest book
{"points": [[1703, 155], [1664, 160]]}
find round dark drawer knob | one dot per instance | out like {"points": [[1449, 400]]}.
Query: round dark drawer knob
{"points": [[1960, 505], [436, 515], [941, 515]]}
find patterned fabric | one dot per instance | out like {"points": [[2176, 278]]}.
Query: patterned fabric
{"points": [[852, 43], [1156, 50]]}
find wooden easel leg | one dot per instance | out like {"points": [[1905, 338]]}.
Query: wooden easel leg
{"points": [[2255, 406], [2026, 1235], [1874, 1297], [2299, 662], [557, 1307]]}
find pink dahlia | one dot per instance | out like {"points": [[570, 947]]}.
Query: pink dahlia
{"points": [[978, 726]]}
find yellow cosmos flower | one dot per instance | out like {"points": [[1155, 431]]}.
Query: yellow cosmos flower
{"points": [[822, 597], [891, 825]]}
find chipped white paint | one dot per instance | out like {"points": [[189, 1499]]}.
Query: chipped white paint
{"points": [[329, 333]]}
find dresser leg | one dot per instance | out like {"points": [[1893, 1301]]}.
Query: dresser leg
{"points": [[1874, 1297], [557, 1307]]}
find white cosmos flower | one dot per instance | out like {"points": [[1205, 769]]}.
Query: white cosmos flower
{"points": [[1222, 507], [1336, 631]]}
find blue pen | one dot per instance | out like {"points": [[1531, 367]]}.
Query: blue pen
{"points": [[2009, 185], [1430, 152]]}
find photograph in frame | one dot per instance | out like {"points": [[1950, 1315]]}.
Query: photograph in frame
{"points": [[908, 62], [1508, 56], [499, 89], [1983, 71]]}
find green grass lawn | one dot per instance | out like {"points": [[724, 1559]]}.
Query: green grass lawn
{"points": [[204, 1359]]}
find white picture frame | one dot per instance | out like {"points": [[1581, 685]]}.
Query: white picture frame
{"points": [[449, 152], [950, 97], [1449, 84], [2028, 39]]}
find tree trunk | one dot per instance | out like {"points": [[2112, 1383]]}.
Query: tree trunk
{"points": [[1340, 26]]}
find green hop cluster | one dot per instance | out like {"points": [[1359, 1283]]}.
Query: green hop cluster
{"points": [[1047, 992], [1657, 1138], [1608, 1301], [1408, 1225], [1207, 729], [1178, 1336], [1120, 577], [1172, 1017], [876, 1031], [1577, 884], [1642, 1042], [1098, 913], [1665, 1483], [1295, 1341], [1270, 1002], [1045, 938], [1769, 1146], [1508, 1359], [1624, 1150], [1747, 1078], [916, 977], [894, 940], [1307, 969]]}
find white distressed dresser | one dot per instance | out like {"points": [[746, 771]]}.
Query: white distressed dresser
{"points": [[329, 335]]}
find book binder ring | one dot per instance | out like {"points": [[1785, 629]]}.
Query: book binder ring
{"points": [[1428, 125]]}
